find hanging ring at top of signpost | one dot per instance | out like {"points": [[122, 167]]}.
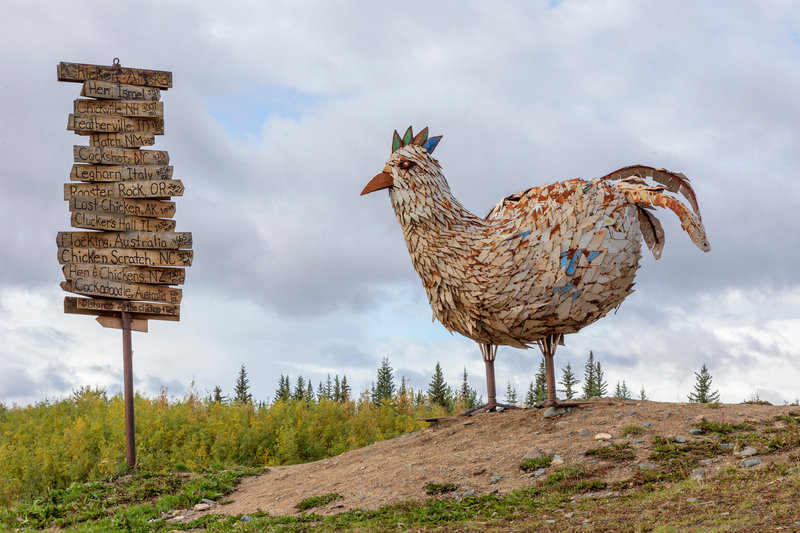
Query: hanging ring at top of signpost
{"points": [[115, 63]]}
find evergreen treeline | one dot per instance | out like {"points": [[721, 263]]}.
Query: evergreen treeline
{"points": [[82, 438]]}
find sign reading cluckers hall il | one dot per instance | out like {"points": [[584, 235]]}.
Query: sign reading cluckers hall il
{"points": [[127, 259]]}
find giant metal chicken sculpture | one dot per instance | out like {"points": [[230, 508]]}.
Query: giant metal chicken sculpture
{"points": [[543, 263]]}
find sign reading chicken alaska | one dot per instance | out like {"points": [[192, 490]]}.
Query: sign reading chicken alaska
{"points": [[126, 255]]}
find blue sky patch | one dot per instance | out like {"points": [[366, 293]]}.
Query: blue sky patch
{"points": [[243, 113]]}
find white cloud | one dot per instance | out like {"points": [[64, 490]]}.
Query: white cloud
{"points": [[280, 114]]}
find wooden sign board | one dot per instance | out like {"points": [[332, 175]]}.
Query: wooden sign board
{"points": [[109, 155], [125, 108], [119, 91], [106, 222], [116, 323], [114, 124], [125, 189], [80, 72], [120, 173], [122, 140], [125, 257], [128, 291], [103, 307], [158, 276], [132, 239], [123, 206]]}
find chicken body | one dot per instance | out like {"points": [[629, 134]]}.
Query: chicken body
{"points": [[551, 259], [543, 263]]}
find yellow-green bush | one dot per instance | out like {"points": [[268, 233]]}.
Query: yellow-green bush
{"points": [[82, 438]]}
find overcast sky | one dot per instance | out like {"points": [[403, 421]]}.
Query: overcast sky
{"points": [[280, 114]]}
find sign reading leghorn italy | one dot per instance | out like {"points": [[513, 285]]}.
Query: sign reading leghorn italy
{"points": [[135, 257]]}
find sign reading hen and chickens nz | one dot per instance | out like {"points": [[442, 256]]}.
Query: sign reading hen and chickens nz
{"points": [[127, 255]]}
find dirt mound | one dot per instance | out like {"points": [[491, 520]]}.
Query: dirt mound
{"points": [[483, 453]]}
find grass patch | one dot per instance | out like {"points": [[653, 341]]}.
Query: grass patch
{"points": [[125, 503], [722, 428], [318, 501], [440, 488], [614, 452], [759, 500], [792, 418], [631, 429], [666, 449], [571, 479], [529, 465]]}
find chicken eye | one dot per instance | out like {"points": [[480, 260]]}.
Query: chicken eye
{"points": [[405, 165]]}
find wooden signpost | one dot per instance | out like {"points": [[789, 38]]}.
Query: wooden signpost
{"points": [[128, 267]]}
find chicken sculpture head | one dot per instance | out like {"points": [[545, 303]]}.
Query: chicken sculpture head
{"points": [[543, 263]]}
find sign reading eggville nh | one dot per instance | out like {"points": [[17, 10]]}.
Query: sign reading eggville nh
{"points": [[126, 257]]}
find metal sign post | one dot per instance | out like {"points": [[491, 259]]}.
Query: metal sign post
{"points": [[127, 256]]}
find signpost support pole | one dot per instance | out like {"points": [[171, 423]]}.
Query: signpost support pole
{"points": [[127, 364]]}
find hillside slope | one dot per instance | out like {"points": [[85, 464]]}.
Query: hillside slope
{"points": [[483, 453]]}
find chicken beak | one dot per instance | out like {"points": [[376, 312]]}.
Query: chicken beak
{"points": [[384, 180]]}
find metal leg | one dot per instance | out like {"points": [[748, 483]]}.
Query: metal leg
{"points": [[127, 366], [548, 346], [489, 353]]}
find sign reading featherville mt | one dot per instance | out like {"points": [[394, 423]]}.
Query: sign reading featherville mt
{"points": [[127, 256]]}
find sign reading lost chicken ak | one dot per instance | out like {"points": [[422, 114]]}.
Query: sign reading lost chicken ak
{"points": [[127, 256]]}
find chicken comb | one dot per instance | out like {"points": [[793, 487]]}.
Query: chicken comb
{"points": [[421, 139]]}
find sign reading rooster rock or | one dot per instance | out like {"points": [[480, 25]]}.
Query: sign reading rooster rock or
{"points": [[123, 192]]}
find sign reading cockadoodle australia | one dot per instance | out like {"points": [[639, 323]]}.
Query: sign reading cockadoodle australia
{"points": [[128, 255]]}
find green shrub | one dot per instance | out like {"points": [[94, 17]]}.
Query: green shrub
{"points": [[317, 501], [53, 444], [440, 488], [631, 429], [615, 452], [536, 463]]}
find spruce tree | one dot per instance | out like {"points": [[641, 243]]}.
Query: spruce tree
{"points": [[618, 391], [474, 400], [702, 388], [299, 389], [569, 381], [589, 377], [642, 395], [420, 397], [540, 386], [463, 392], [530, 397], [437, 388], [283, 391], [329, 389], [601, 387], [218, 397], [403, 390], [466, 394], [337, 390], [511, 394], [626, 394], [242, 387], [344, 393], [321, 394], [309, 392], [384, 390]]}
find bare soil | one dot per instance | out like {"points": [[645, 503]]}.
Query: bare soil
{"points": [[470, 451]]}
